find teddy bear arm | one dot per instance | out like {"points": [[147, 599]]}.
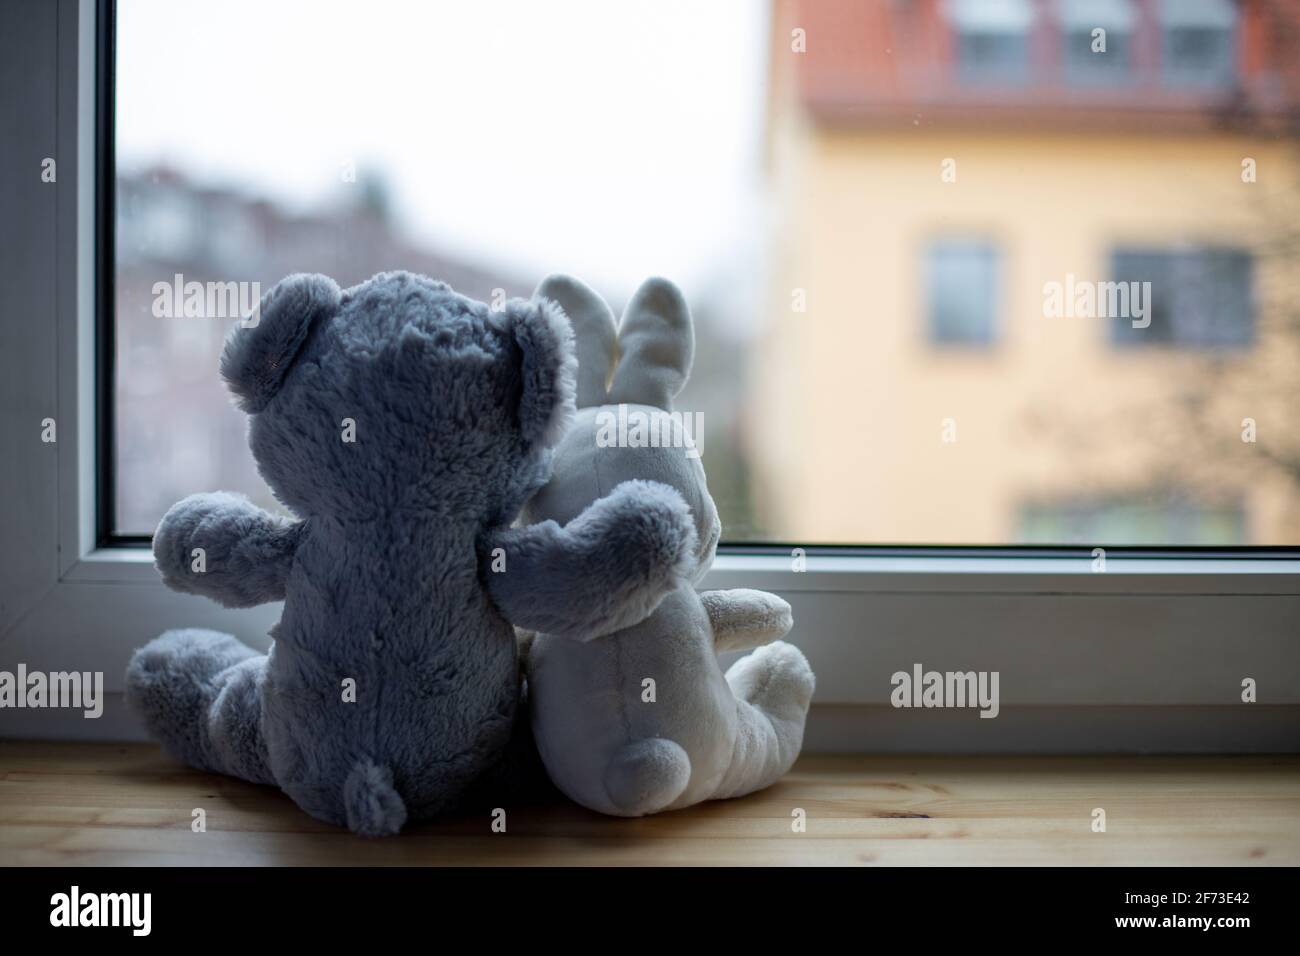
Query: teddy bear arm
{"points": [[224, 547], [544, 580], [743, 618], [607, 569]]}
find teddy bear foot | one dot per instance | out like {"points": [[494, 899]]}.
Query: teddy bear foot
{"points": [[196, 691]]}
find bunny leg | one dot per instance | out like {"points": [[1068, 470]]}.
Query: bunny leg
{"points": [[773, 687], [646, 776], [199, 694]]}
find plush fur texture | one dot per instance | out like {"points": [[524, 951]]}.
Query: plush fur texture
{"points": [[388, 572], [704, 735]]}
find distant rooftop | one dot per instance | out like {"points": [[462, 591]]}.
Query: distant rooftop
{"points": [[166, 220], [1163, 64]]}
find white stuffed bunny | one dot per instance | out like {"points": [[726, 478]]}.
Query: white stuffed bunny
{"points": [[643, 719]]}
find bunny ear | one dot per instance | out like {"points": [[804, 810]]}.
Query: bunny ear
{"points": [[657, 342], [593, 329]]}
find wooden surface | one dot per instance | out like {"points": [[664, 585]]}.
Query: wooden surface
{"points": [[128, 804]]}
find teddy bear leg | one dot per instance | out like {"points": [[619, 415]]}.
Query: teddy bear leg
{"points": [[519, 776], [773, 688], [198, 693]]}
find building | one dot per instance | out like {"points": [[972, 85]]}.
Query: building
{"points": [[948, 174], [177, 431]]}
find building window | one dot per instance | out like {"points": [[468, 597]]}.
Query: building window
{"points": [[1095, 58], [961, 283], [991, 39], [1136, 521], [1198, 42], [1198, 298]]}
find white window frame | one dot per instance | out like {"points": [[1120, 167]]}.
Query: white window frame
{"points": [[1148, 655]]}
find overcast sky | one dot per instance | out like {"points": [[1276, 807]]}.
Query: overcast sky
{"points": [[609, 139]]}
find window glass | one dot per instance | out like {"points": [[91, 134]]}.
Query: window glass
{"points": [[913, 294], [1198, 42], [1134, 522], [961, 283], [484, 144], [1196, 298], [1098, 40], [992, 39]]}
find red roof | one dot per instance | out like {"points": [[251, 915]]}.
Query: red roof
{"points": [[895, 61]]}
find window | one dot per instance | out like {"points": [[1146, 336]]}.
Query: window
{"points": [[992, 39], [1136, 520], [961, 283], [528, 168], [1098, 40], [543, 162], [1200, 298], [827, 422], [1198, 42]]}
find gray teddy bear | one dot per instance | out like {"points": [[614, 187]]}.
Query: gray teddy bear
{"points": [[404, 425]]}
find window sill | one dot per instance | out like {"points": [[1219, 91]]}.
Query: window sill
{"points": [[1146, 637]]}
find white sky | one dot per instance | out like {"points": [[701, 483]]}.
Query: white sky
{"points": [[609, 138]]}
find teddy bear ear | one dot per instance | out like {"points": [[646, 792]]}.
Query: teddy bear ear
{"points": [[593, 331], [656, 341], [547, 368], [259, 352]]}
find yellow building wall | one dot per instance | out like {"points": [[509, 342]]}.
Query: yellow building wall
{"points": [[852, 397]]}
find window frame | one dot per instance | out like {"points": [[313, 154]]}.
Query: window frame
{"points": [[1185, 622]]}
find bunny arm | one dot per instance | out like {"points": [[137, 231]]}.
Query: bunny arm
{"points": [[743, 618], [246, 553], [605, 570]]}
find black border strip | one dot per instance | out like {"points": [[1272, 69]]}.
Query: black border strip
{"points": [[106, 358], [1012, 904]]}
